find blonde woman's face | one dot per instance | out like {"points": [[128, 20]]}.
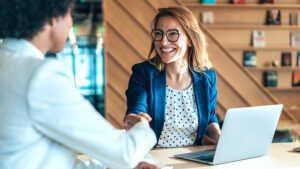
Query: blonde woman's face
{"points": [[169, 49]]}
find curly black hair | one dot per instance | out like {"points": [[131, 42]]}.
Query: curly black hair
{"points": [[23, 19]]}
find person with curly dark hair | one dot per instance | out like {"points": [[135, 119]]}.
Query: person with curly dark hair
{"points": [[44, 121]]}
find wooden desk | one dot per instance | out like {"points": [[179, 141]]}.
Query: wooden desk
{"points": [[280, 156]]}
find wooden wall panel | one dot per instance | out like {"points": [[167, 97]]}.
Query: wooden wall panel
{"points": [[125, 54]]}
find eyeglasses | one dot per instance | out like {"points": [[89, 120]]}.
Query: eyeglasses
{"points": [[172, 35]]}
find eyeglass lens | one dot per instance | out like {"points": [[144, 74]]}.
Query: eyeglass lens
{"points": [[172, 35]]}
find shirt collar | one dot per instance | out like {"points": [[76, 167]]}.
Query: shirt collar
{"points": [[22, 46]]}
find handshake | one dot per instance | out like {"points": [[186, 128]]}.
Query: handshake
{"points": [[131, 119]]}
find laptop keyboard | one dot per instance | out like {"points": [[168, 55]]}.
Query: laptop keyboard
{"points": [[207, 155]]}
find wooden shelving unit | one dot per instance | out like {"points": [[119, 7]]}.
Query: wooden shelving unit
{"points": [[233, 26]]}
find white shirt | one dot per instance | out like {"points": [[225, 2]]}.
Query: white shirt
{"points": [[44, 121], [181, 119]]}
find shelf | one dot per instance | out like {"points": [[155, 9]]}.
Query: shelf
{"points": [[244, 6], [280, 68], [253, 27], [275, 89], [280, 48], [283, 125]]}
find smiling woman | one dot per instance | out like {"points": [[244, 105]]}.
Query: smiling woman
{"points": [[176, 88]]}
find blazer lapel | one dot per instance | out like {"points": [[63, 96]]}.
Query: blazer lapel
{"points": [[160, 99], [200, 90]]}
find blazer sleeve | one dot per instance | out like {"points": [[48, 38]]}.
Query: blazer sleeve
{"points": [[137, 91], [213, 96], [60, 113]]}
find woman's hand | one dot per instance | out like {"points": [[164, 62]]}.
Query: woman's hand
{"points": [[212, 134], [145, 165], [131, 119]]}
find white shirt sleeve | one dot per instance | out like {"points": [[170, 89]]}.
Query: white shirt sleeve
{"points": [[59, 112]]}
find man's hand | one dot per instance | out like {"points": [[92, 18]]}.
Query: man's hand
{"points": [[131, 119], [145, 165]]}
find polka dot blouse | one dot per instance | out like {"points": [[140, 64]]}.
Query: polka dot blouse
{"points": [[181, 119]]}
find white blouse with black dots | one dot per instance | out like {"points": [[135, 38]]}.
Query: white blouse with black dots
{"points": [[181, 119]]}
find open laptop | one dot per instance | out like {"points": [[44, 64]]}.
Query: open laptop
{"points": [[246, 133]]}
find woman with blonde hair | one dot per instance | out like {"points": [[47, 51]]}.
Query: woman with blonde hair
{"points": [[175, 90]]}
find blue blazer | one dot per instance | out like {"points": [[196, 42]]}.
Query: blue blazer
{"points": [[147, 93]]}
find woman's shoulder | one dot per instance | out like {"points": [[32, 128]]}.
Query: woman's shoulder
{"points": [[210, 73], [144, 66]]}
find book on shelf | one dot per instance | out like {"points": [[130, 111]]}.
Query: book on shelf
{"points": [[273, 17], [238, 1], [296, 78], [250, 58], [270, 78], [208, 1], [294, 18], [267, 1], [286, 59], [258, 38], [207, 17], [298, 58], [295, 38]]}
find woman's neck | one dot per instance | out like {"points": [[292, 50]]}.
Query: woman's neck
{"points": [[178, 75], [176, 71]]}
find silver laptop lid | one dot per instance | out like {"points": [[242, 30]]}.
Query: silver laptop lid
{"points": [[247, 133]]}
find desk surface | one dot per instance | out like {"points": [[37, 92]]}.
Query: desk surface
{"points": [[281, 155]]}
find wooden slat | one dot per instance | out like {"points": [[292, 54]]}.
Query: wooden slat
{"points": [[116, 76], [117, 106], [163, 4], [133, 7], [226, 90], [125, 54], [128, 28]]}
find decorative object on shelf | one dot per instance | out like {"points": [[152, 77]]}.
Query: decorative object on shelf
{"points": [[250, 58], [296, 78], [294, 18], [238, 1], [286, 59], [258, 38], [267, 1], [209, 1], [207, 17], [298, 58], [295, 38], [270, 78], [273, 17], [267, 64], [275, 63]]}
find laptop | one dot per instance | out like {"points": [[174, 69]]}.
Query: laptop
{"points": [[246, 133]]}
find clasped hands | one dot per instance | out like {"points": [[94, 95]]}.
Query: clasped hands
{"points": [[131, 119]]}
